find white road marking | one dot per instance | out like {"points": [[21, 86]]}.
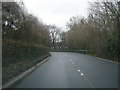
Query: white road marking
{"points": [[85, 78], [78, 70], [107, 60], [81, 74]]}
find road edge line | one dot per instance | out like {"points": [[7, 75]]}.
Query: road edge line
{"points": [[116, 62], [107, 60], [25, 73]]}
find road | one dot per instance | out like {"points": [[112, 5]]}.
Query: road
{"points": [[73, 70]]}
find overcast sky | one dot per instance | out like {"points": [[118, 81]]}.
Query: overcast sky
{"points": [[57, 12]]}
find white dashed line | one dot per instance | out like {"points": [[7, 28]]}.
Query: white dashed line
{"points": [[78, 70], [85, 78], [81, 74]]}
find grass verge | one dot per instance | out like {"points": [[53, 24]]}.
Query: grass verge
{"points": [[14, 69]]}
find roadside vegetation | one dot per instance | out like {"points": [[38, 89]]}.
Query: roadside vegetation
{"points": [[25, 40], [98, 34]]}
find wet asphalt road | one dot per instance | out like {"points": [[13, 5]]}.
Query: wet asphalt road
{"points": [[72, 70]]}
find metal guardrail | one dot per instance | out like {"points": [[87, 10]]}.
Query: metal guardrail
{"points": [[79, 51]]}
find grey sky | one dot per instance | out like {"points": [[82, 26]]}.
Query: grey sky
{"points": [[57, 12]]}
